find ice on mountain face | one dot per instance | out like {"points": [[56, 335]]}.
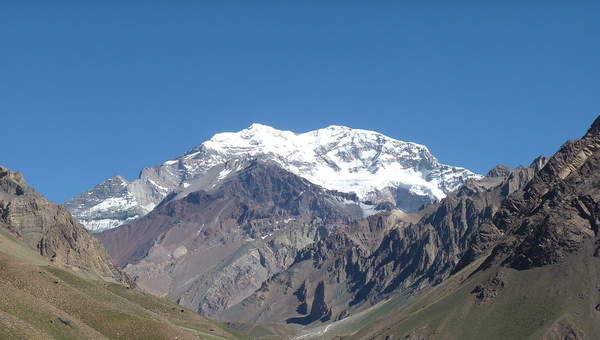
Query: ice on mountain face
{"points": [[368, 209], [338, 158], [109, 205], [114, 202], [224, 173], [374, 166], [105, 224]]}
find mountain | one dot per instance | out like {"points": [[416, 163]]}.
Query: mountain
{"points": [[530, 272], [284, 241], [512, 255], [58, 282], [50, 230], [211, 248], [376, 168], [389, 253], [278, 234]]}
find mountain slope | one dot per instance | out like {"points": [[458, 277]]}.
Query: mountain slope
{"points": [[539, 279], [357, 267], [209, 249], [50, 229], [375, 167], [58, 283], [41, 300]]}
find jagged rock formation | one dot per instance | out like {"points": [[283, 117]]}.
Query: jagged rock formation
{"points": [[50, 229], [404, 253], [211, 248], [374, 167], [316, 287], [558, 210], [532, 272]]}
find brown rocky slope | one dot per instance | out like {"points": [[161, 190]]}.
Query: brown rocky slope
{"points": [[58, 282], [211, 248], [372, 260], [50, 229], [537, 278]]}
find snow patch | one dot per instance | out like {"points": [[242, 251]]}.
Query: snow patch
{"points": [[224, 173], [368, 209]]}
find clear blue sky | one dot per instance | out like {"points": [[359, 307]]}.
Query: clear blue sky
{"points": [[89, 91]]}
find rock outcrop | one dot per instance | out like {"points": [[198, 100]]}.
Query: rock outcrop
{"points": [[50, 229], [557, 211]]}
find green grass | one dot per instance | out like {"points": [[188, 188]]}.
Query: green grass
{"points": [[510, 317]]}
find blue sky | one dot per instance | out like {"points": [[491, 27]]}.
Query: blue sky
{"points": [[89, 91]]}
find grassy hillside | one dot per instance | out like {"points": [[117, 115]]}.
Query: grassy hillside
{"points": [[39, 300], [550, 302]]}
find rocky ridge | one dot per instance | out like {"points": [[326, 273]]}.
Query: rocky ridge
{"points": [[535, 264], [404, 253], [50, 229], [557, 211]]}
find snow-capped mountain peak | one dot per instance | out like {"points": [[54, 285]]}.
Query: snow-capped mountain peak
{"points": [[336, 157], [374, 166]]}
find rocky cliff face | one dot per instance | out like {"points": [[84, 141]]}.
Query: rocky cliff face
{"points": [[50, 229], [374, 167], [557, 211], [211, 248], [318, 286]]}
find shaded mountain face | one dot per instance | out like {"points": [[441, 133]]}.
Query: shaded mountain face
{"points": [[374, 167], [356, 267], [50, 229], [211, 248], [559, 209], [532, 273]]}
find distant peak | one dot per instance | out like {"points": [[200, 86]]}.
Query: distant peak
{"points": [[118, 179], [259, 126], [260, 129], [538, 163], [338, 127], [499, 171]]}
